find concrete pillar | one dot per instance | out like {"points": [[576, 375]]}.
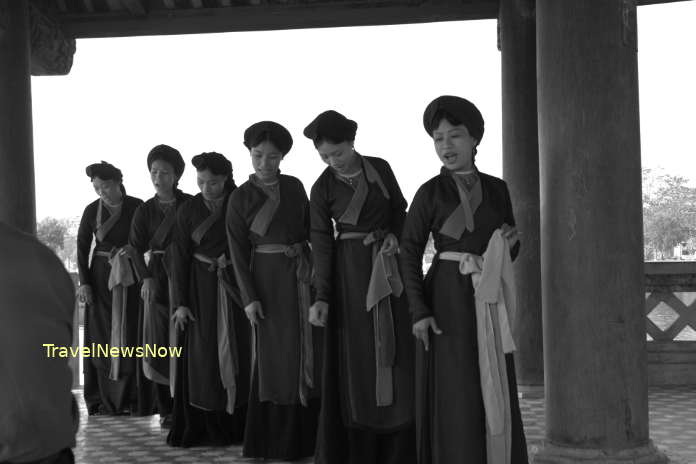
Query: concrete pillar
{"points": [[17, 195], [517, 43], [591, 223]]}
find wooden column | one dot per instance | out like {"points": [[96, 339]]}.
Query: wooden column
{"points": [[17, 196], [591, 225], [517, 43]]}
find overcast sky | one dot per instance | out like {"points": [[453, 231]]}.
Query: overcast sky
{"points": [[199, 92]]}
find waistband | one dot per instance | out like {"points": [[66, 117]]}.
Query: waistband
{"points": [[289, 250], [221, 261]]}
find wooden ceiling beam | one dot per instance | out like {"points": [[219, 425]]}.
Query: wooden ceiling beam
{"points": [[272, 17], [134, 7]]}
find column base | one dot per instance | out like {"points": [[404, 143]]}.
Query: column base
{"points": [[552, 454]]}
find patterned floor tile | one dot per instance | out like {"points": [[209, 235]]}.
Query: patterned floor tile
{"points": [[127, 440]]}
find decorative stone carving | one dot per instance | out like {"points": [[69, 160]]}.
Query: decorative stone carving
{"points": [[51, 50]]}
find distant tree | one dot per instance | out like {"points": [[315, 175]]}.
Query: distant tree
{"points": [[669, 213], [51, 232]]}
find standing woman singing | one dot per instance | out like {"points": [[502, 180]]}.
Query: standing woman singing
{"points": [[213, 371], [367, 390], [466, 396], [108, 290], [268, 228], [151, 236]]}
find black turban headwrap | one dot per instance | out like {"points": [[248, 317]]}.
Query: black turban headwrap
{"points": [[104, 171], [453, 108], [217, 164], [331, 126], [270, 131], [169, 155]]}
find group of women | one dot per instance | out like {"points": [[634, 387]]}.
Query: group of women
{"points": [[296, 315]]}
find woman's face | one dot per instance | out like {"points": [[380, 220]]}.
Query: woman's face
{"points": [[162, 177], [340, 156], [266, 158], [454, 146], [212, 186], [108, 190]]}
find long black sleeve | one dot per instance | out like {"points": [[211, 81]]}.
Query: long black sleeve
{"points": [[240, 247], [85, 233], [139, 238], [322, 238], [510, 219], [181, 258], [397, 202], [413, 241]]}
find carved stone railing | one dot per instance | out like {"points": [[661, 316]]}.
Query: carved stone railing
{"points": [[670, 310]]}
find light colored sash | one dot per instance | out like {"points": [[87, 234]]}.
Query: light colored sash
{"points": [[264, 216], [123, 274], [494, 292], [462, 218]]}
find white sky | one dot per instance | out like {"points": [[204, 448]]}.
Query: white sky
{"points": [[199, 92]]}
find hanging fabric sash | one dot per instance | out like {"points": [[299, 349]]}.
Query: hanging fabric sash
{"points": [[303, 271], [124, 273], [385, 281], [228, 358], [494, 293], [149, 336]]}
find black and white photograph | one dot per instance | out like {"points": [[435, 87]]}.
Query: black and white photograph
{"points": [[347, 231]]}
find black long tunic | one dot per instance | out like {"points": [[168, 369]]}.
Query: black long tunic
{"points": [[200, 398], [277, 426], [450, 417], [102, 394], [343, 269], [146, 221]]}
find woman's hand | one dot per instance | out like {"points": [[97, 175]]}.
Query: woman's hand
{"points": [[253, 312], [421, 330], [318, 313], [148, 290], [390, 245], [510, 234], [181, 317], [84, 295]]}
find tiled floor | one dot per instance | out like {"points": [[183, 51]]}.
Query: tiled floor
{"points": [[104, 439]]}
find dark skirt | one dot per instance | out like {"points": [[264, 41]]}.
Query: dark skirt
{"points": [[450, 416], [348, 380], [103, 395], [275, 431], [198, 375], [192, 426], [153, 397]]}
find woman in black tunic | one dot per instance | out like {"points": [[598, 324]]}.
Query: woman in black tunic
{"points": [[213, 371], [268, 228], [460, 312], [151, 236], [111, 316], [367, 390]]}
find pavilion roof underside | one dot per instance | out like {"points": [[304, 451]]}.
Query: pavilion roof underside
{"points": [[119, 18]]}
